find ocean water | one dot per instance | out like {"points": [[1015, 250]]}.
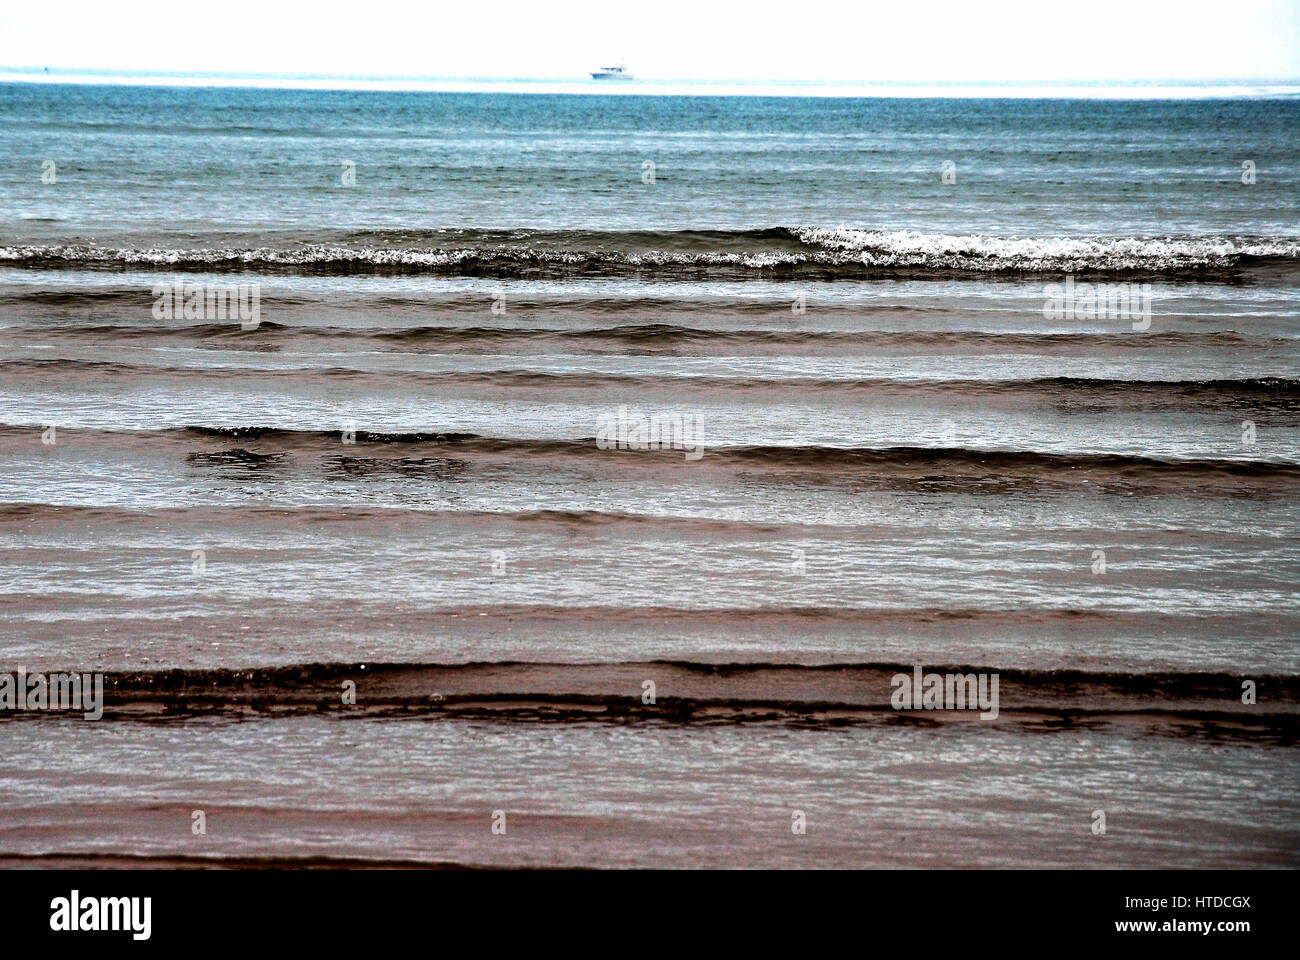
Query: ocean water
{"points": [[908, 436]]}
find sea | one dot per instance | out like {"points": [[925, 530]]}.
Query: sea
{"points": [[568, 479]]}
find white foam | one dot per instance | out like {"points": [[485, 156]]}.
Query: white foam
{"points": [[876, 247]]}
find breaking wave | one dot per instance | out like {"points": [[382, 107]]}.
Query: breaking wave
{"points": [[814, 252]]}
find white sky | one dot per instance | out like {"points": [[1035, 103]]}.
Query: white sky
{"points": [[896, 41]]}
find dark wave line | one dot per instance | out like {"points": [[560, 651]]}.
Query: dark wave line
{"points": [[102, 860], [825, 268], [756, 614], [909, 458], [807, 456], [694, 692], [353, 514], [1287, 685], [556, 301], [651, 334], [1262, 392], [957, 457]]}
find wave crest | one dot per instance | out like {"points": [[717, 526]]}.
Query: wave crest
{"points": [[812, 252]]}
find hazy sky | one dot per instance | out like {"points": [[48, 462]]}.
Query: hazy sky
{"points": [[862, 41]]}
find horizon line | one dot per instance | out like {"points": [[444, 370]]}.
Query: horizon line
{"points": [[1206, 86]]}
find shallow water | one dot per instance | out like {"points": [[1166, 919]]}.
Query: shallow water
{"points": [[905, 457]]}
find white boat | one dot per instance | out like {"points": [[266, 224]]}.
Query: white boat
{"points": [[611, 73]]}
